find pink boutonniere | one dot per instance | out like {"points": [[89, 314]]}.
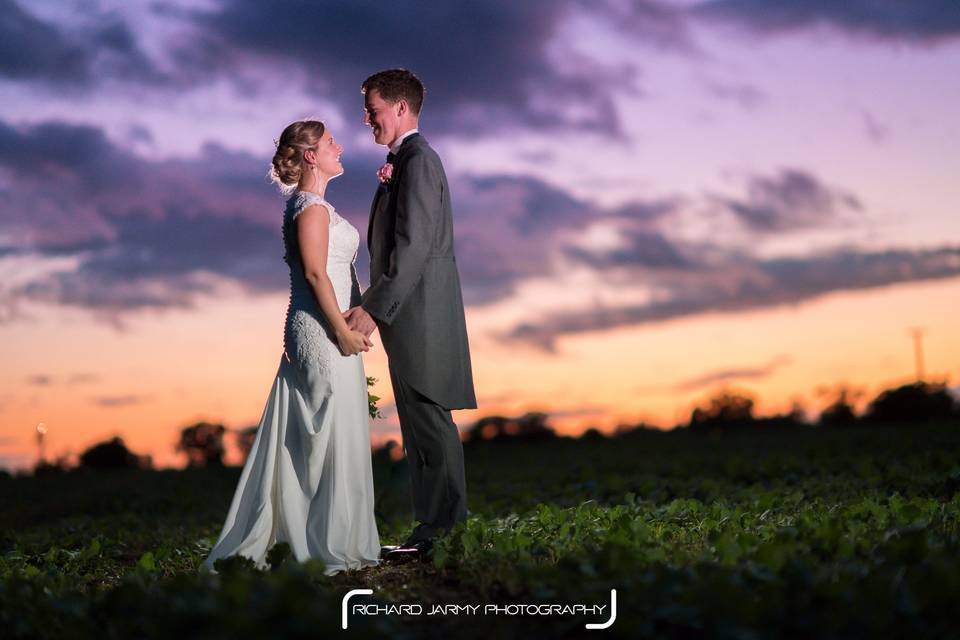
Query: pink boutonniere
{"points": [[385, 172]]}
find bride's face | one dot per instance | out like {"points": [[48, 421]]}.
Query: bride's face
{"points": [[382, 117], [326, 155]]}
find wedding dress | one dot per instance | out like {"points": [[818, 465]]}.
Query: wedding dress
{"points": [[308, 479]]}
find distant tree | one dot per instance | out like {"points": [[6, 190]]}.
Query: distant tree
{"points": [[796, 417], [725, 410], [43, 467], [840, 412], [916, 402], [628, 430], [113, 454], [203, 444], [530, 426], [386, 454], [244, 439], [486, 428], [593, 434]]}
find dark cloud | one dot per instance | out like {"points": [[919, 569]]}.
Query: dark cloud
{"points": [[168, 232], [79, 153], [504, 231], [146, 234], [646, 22], [39, 380], [744, 284], [160, 262], [486, 66], [92, 170], [918, 21], [35, 50], [511, 228], [159, 234], [119, 401], [643, 248], [529, 206], [737, 373], [793, 199]]}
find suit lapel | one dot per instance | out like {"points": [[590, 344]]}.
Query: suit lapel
{"points": [[384, 194], [373, 212]]}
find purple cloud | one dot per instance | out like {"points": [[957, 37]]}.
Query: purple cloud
{"points": [[511, 228], [486, 66], [793, 199], [158, 234], [647, 22], [35, 50], [643, 248], [918, 21], [146, 234], [742, 284]]}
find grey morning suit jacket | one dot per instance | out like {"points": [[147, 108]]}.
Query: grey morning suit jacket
{"points": [[414, 293]]}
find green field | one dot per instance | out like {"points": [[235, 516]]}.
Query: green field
{"points": [[765, 532]]}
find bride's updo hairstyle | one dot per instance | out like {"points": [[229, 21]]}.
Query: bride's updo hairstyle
{"points": [[287, 163]]}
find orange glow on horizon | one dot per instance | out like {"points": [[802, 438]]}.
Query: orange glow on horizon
{"points": [[86, 382]]}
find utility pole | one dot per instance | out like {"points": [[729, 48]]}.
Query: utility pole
{"points": [[41, 432], [917, 333]]}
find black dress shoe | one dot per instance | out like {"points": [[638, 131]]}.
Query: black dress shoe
{"points": [[420, 549], [387, 548]]}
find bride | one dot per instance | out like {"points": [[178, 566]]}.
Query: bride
{"points": [[308, 479]]}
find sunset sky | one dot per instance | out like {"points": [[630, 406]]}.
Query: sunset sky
{"points": [[652, 201]]}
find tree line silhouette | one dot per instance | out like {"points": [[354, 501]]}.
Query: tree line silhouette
{"points": [[203, 443]]}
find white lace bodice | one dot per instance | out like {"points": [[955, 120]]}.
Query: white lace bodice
{"points": [[308, 337], [342, 248]]}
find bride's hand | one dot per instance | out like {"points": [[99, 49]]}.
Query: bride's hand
{"points": [[353, 342]]}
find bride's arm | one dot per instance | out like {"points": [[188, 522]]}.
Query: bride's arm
{"points": [[313, 229]]}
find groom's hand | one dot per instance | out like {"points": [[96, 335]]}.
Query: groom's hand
{"points": [[359, 320]]}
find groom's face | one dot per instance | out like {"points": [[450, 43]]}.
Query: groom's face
{"points": [[381, 116]]}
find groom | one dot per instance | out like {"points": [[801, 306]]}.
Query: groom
{"points": [[415, 300]]}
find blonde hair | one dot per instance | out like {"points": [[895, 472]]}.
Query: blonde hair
{"points": [[287, 164]]}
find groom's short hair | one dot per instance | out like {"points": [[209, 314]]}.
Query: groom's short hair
{"points": [[395, 85]]}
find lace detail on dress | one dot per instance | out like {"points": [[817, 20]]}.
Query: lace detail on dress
{"points": [[308, 338], [304, 199], [295, 206], [305, 342]]}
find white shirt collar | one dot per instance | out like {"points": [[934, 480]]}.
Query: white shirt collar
{"points": [[396, 143]]}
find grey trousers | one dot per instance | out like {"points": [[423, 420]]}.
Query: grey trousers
{"points": [[434, 453]]}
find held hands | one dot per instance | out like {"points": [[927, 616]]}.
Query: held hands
{"points": [[359, 320], [353, 342]]}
